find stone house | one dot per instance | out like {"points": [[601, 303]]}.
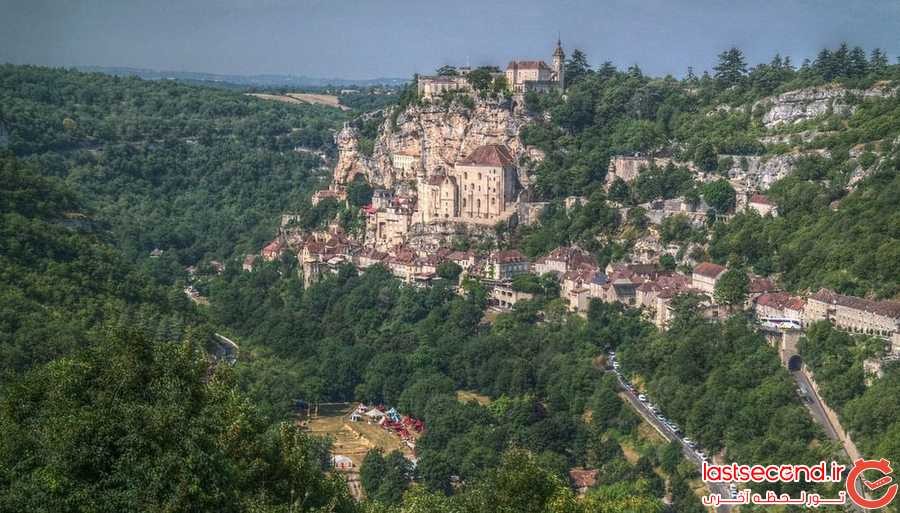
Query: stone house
{"points": [[464, 259], [504, 297], [705, 277], [429, 87], [779, 305], [487, 183], [272, 251], [503, 265], [858, 315], [563, 259], [525, 76], [762, 205]]}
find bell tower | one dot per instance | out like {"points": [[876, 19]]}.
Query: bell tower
{"points": [[559, 64]]}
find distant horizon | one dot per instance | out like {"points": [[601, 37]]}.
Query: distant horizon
{"points": [[365, 40]]}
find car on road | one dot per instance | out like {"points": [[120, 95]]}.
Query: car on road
{"points": [[642, 398]]}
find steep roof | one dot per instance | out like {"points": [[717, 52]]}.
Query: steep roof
{"points": [[780, 300], [509, 256], [493, 155], [527, 65], [709, 270], [759, 199]]}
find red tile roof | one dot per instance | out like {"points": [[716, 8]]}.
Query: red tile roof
{"points": [[759, 199], [509, 256], [493, 155], [781, 300], [889, 309], [709, 270]]}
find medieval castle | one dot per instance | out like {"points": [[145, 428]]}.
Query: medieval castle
{"points": [[521, 77]]}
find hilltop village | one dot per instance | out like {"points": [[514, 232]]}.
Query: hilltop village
{"points": [[443, 171]]}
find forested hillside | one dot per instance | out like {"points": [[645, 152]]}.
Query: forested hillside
{"points": [[110, 402], [199, 173], [827, 235]]}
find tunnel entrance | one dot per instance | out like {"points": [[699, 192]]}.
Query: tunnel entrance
{"points": [[795, 363]]}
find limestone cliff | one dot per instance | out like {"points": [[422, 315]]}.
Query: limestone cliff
{"points": [[435, 136], [811, 102]]}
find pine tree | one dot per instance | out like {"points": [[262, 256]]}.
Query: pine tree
{"points": [[731, 69], [858, 65], [879, 60]]}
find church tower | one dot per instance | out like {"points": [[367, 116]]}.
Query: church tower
{"points": [[559, 64]]}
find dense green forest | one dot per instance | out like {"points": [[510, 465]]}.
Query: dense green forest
{"points": [[199, 173], [871, 413], [122, 408]]}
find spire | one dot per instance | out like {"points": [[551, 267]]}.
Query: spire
{"points": [[559, 51]]}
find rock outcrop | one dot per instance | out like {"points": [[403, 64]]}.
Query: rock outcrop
{"points": [[433, 137], [811, 102], [757, 173], [350, 161]]}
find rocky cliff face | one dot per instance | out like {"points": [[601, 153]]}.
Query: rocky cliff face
{"points": [[436, 136], [759, 172], [803, 104]]}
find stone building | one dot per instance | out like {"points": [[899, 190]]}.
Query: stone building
{"points": [[563, 259], [525, 76], [762, 205], [504, 297], [879, 318], [487, 183], [779, 306], [405, 161], [390, 227], [503, 265], [431, 86], [705, 276], [439, 198]]}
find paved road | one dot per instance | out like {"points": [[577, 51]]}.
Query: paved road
{"points": [[814, 405], [817, 411], [689, 454]]}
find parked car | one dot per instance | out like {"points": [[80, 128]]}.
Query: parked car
{"points": [[688, 442], [642, 398], [733, 489]]}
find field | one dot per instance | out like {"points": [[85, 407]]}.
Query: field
{"points": [[316, 99], [465, 396], [353, 439]]}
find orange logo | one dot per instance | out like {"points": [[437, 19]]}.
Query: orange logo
{"points": [[860, 466]]}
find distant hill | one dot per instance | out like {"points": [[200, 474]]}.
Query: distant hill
{"points": [[242, 80]]}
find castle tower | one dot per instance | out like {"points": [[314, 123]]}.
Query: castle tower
{"points": [[559, 64]]}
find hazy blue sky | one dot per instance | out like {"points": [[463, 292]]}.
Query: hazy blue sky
{"points": [[378, 38]]}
